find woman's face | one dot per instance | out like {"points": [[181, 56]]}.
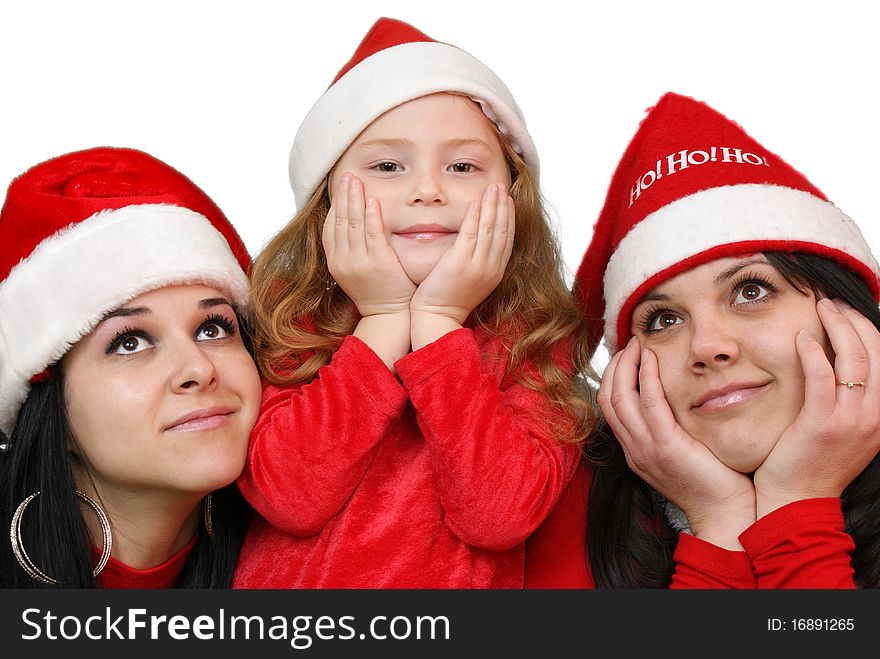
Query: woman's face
{"points": [[425, 161], [724, 336], [162, 395]]}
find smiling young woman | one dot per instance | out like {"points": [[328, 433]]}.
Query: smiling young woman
{"points": [[724, 334], [741, 406], [127, 391]]}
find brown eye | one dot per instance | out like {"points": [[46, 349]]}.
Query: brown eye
{"points": [[751, 292], [211, 331], [217, 326], [387, 167], [663, 321], [461, 167], [128, 343]]}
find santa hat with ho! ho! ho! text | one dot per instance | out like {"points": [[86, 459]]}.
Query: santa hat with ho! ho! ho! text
{"points": [[393, 64], [693, 187], [83, 233]]}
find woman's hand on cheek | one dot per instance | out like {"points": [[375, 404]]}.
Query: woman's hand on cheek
{"points": [[358, 254], [467, 273], [718, 501], [837, 433]]}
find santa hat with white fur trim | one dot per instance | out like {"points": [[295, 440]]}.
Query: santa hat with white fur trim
{"points": [[393, 64], [692, 187], [85, 232]]}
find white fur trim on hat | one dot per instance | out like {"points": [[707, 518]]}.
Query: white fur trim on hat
{"points": [[385, 80], [75, 277], [720, 216]]}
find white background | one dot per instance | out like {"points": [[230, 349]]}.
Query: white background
{"points": [[218, 89]]}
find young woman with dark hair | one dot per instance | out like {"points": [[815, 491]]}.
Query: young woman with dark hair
{"points": [[127, 391], [741, 406], [620, 501]]}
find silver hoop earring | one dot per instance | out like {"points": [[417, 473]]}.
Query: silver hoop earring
{"points": [[25, 561], [209, 521]]}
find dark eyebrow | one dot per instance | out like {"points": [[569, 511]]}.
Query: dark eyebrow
{"points": [[207, 303], [125, 311], [654, 296], [736, 267]]}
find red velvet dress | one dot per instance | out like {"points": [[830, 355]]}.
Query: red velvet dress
{"points": [[433, 481]]}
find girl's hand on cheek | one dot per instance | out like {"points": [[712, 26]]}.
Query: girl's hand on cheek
{"points": [[718, 501], [837, 433], [358, 254], [471, 269]]}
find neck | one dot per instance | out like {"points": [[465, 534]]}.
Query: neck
{"points": [[148, 527]]}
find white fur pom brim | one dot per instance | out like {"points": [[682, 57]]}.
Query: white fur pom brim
{"points": [[727, 215]]}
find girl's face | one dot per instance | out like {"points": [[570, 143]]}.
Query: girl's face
{"points": [[724, 336], [425, 161], [162, 395]]}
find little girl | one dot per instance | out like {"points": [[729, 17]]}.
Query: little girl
{"points": [[422, 418]]}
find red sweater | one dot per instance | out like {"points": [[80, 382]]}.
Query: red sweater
{"points": [[801, 545], [119, 575], [435, 481]]}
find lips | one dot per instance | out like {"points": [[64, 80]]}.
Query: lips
{"points": [[727, 396], [425, 232], [202, 419]]}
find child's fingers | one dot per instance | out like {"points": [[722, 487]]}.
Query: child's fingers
{"points": [[502, 220], [497, 258], [328, 231], [819, 385], [374, 228], [467, 233], [510, 233], [486, 229], [340, 225], [357, 241]]}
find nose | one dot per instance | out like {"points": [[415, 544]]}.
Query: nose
{"points": [[427, 189], [192, 368], [714, 343]]}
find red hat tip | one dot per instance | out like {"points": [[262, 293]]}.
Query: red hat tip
{"points": [[385, 33]]}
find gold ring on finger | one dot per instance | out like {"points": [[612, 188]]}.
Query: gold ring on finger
{"points": [[849, 384]]}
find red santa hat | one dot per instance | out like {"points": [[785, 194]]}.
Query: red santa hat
{"points": [[692, 187], [393, 64], [83, 233]]}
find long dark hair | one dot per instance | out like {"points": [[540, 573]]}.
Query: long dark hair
{"points": [[629, 541], [54, 531]]}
